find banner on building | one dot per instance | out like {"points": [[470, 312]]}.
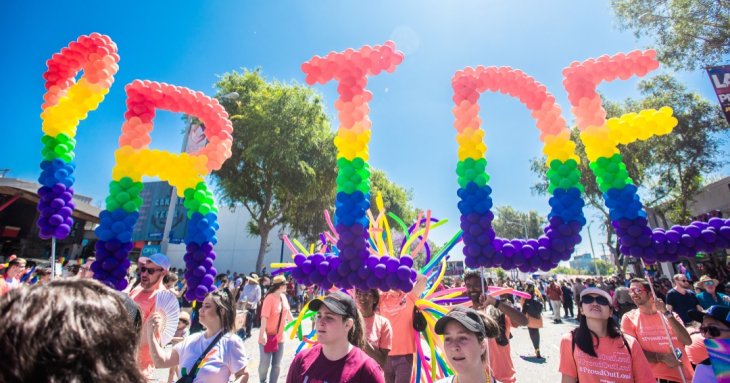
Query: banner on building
{"points": [[720, 78]]}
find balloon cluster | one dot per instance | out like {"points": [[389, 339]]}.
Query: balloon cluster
{"points": [[184, 171], [481, 245], [602, 137], [354, 267], [66, 103]]}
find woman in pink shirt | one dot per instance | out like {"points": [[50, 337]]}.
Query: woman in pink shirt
{"points": [[597, 351]]}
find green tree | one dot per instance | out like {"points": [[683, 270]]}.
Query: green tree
{"points": [[689, 34], [565, 270], [668, 169], [511, 223], [283, 165]]}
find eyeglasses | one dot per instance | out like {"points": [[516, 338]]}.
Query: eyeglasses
{"points": [[712, 331], [636, 290], [708, 283], [149, 271], [589, 299]]}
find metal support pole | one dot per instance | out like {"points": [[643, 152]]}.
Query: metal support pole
{"points": [[53, 257], [593, 253]]}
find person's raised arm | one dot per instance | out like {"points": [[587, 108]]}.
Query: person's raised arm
{"points": [[161, 357]]}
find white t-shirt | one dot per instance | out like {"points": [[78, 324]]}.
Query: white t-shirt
{"points": [[222, 361]]}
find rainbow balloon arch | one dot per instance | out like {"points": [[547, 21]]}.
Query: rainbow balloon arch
{"points": [[354, 252]]}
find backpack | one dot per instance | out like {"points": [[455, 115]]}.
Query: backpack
{"points": [[533, 308]]}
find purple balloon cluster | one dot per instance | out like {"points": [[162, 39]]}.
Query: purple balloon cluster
{"points": [[55, 208], [112, 263], [483, 248], [355, 266], [200, 272], [637, 239]]}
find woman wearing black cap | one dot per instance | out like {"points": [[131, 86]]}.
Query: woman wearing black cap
{"points": [[338, 356], [465, 344]]}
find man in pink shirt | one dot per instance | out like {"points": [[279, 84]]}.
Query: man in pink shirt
{"points": [[645, 324], [151, 270], [397, 307], [500, 355]]}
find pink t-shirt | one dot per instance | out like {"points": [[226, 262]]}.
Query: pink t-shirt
{"points": [[271, 309], [649, 332], [500, 357], [697, 351], [311, 366], [378, 332], [397, 308], [146, 302], [614, 362]]}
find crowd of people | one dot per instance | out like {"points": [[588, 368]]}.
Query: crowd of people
{"points": [[73, 328]]}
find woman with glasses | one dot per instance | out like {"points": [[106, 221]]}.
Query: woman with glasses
{"points": [[212, 356], [710, 297], [715, 325], [597, 350], [338, 355]]}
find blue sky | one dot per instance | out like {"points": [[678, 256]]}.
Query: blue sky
{"points": [[192, 43]]}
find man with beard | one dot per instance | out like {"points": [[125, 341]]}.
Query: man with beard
{"points": [[645, 324], [151, 271], [506, 316]]}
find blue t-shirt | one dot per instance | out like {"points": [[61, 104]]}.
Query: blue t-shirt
{"points": [[706, 300]]}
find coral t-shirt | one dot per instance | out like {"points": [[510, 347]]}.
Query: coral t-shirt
{"points": [[649, 332], [378, 332], [311, 366], [614, 362], [500, 357], [272, 308], [697, 351], [146, 301], [397, 308]]}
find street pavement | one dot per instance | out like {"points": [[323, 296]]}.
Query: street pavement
{"points": [[529, 369]]}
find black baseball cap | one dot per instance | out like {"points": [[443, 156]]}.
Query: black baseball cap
{"points": [[468, 318], [337, 302], [720, 313]]}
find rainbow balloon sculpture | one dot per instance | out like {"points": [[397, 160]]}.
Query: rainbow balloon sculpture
{"points": [[184, 171], [355, 266], [66, 103], [481, 246]]}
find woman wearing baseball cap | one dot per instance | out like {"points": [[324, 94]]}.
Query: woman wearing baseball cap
{"points": [[338, 355], [465, 334], [597, 350], [715, 324]]}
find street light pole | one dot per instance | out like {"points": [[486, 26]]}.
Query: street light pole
{"points": [[593, 253]]}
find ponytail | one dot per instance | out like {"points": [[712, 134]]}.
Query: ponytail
{"points": [[356, 335]]}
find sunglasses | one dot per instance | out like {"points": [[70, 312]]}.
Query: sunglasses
{"points": [[184, 321], [637, 290], [149, 271], [589, 299], [708, 283], [712, 331]]}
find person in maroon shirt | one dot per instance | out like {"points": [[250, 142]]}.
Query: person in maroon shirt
{"points": [[338, 357]]}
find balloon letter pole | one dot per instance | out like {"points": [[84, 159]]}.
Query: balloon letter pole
{"points": [[184, 171], [66, 103]]}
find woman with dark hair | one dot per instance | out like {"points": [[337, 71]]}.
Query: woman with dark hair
{"points": [[212, 356], [597, 349], [70, 330], [378, 332], [534, 317], [339, 355], [275, 312], [466, 334]]}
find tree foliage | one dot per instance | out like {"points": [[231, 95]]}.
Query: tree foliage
{"points": [[395, 198], [689, 34], [511, 223], [283, 166]]}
